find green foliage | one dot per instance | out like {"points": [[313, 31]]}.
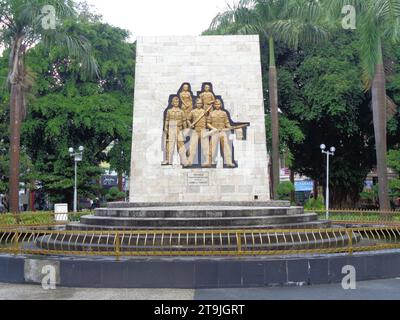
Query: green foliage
{"points": [[67, 110], [114, 195], [394, 188], [321, 89], [290, 132], [394, 163], [367, 196], [377, 22], [314, 204], [285, 189], [394, 160], [28, 218], [36, 218]]}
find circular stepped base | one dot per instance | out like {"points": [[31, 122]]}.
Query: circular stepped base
{"points": [[213, 222], [197, 216], [148, 226]]}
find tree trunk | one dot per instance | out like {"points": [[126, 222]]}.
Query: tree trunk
{"points": [[120, 187], [16, 101], [273, 101], [293, 193], [15, 137], [380, 127], [32, 197], [315, 191]]}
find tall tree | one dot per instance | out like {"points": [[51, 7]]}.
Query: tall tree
{"points": [[321, 94], [377, 23], [290, 21], [69, 110], [24, 24]]}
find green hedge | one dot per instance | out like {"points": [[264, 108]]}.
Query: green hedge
{"points": [[36, 218]]}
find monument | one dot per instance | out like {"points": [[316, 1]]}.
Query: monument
{"points": [[207, 146], [199, 152]]}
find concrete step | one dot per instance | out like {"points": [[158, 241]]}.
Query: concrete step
{"points": [[198, 222], [125, 205], [76, 226], [198, 212]]}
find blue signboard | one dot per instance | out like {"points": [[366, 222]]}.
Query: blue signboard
{"points": [[304, 186]]}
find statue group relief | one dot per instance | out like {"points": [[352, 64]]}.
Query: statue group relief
{"points": [[199, 130]]}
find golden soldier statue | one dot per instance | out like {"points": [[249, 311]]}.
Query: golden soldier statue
{"points": [[187, 99], [219, 123], [198, 122], [175, 123], [207, 97]]}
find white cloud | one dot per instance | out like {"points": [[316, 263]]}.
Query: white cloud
{"points": [[160, 17]]}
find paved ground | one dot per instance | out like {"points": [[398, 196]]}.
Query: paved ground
{"points": [[370, 290]]}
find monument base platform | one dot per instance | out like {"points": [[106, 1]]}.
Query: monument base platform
{"points": [[176, 227], [199, 216]]}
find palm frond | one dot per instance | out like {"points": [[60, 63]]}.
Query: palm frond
{"points": [[387, 9], [78, 47], [335, 6], [301, 21], [388, 14], [294, 31]]}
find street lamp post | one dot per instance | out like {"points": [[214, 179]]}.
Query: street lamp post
{"points": [[329, 153], [78, 157]]}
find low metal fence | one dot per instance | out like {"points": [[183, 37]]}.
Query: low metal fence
{"points": [[118, 244], [360, 217], [351, 231]]}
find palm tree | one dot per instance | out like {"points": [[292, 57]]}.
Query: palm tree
{"points": [[378, 26], [290, 21], [22, 26]]}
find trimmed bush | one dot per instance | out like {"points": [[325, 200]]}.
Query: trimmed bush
{"points": [[285, 189], [315, 204]]}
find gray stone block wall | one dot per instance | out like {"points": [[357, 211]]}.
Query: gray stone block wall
{"points": [[233, 65]]}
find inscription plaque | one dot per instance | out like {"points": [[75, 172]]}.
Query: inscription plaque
{"points": [[198, 179]]}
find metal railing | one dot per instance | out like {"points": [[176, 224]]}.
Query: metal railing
{"points": [[198, 243], [355, 231], [360, 217]]}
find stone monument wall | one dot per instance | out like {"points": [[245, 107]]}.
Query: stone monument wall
{"points": [[233, 65]]}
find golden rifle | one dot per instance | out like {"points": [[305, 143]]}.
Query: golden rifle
{"points": [[212, 132], [198, 120]]}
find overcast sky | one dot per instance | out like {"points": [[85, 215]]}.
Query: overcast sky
{"points": [[160, 17]]}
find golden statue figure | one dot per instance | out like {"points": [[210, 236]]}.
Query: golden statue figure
{"points": [[207, 96], [198, 122], [219, 123], [175, 123], [187, 99], [200, 132]]}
